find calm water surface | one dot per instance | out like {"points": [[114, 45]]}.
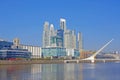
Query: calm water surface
{"points": [[82, 71]]}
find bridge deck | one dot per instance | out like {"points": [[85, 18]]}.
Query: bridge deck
{"points": [[89, 61]]}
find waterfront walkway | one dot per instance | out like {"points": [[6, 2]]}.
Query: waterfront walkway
{"points": [[9, 62], [89, 61]]}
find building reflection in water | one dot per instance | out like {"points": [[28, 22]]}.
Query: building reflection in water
{"points": [[35, 72], [41, 72], [73, 72], [69, 71], [52, 72], [14, 72], [89, 71], [81, 72]]}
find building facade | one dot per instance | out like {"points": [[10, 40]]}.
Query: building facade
{"points": [[63, 24], [69, 39], [14, 54], [61, 42], [80, 45], [72, 53], [55, 52], [35, 50], [11, 50], [46, 35], [60, 34], [5, 44]]}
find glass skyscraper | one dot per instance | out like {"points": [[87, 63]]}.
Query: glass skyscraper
{"points": [[54, 52], [59, 42], [80, 47], [46, 35], [60, 34], [69, 39], [63, 24]]}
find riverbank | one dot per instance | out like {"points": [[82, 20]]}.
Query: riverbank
{"points": [[17, 62], [9, 62]]}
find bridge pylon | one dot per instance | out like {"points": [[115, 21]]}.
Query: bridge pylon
{"points": [[92, 58]]}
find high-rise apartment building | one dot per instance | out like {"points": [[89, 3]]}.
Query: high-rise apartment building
{"points": [[52, 32], [60, 34], [46, 35], [73, 40], [80, 47], [63, 24], [69, 39], [55, 41]]}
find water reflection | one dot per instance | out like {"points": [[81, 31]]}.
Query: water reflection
{"points": [[39, 72], [60, 72], [52, 72], [13, 72]]}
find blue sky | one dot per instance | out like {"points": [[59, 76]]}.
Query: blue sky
{"points": [[98, 20]]}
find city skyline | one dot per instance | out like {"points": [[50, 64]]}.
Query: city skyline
{"points": [[61, 37], [97, 20]]}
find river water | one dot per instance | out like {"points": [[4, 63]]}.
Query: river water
{"points": [[69, 71]]}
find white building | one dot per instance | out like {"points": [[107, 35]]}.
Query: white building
{"points": [[70, 52], [63, 24], [46, 35], [80, 46], [35, 50], [69, 39]]}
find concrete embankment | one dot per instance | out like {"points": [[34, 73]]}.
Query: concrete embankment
{"points": [[9, 62]]}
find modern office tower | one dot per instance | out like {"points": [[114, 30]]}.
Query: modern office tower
{"points": [[63, 24], [60, 34], [46, 35], [56, 41], [69, 39], [73, 40], [52, 32], [53, 41], [80, 47], [62, 30]]}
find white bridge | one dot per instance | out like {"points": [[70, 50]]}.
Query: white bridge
{"points": [[92, 58]]}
